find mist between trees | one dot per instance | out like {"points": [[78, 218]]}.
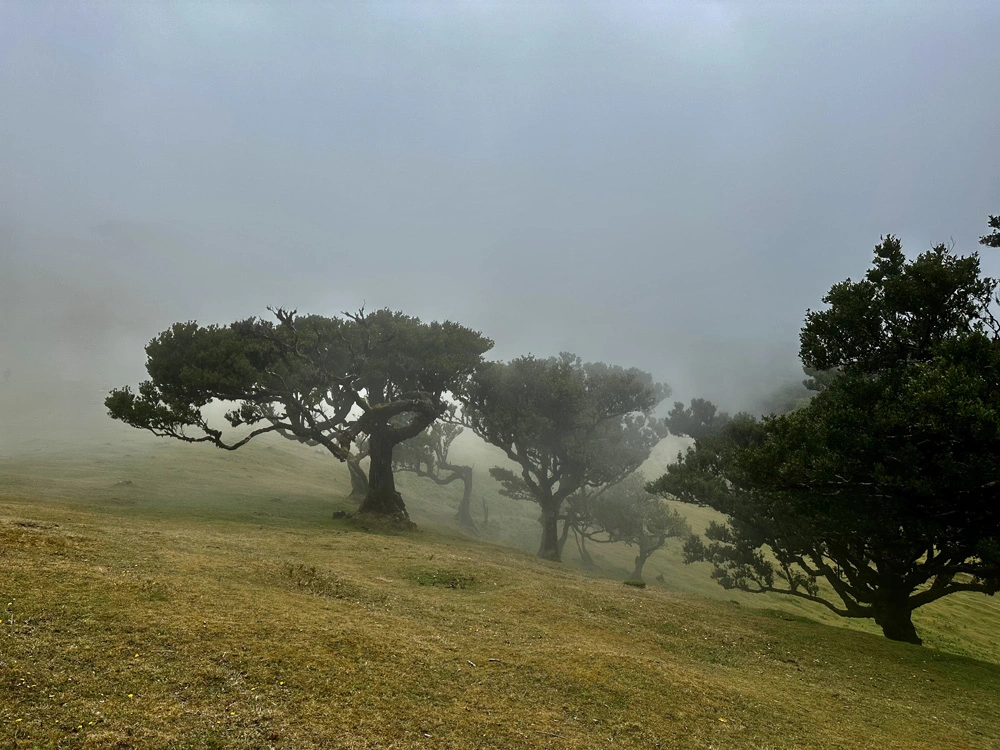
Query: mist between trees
{"points": [[871, 490]]}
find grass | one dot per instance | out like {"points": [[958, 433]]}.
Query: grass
{"points": [[169, 596]]}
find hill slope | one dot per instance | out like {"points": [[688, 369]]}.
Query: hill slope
{"points": [[178, 596]]}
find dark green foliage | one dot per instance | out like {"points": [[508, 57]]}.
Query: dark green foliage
{"points": [[816, 380], [993, 238], [899, 313], [885, 487], [381, 375], [568, 426], [701, 418]]}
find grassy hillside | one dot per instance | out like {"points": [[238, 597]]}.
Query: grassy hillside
{"points": [[164, 595]]}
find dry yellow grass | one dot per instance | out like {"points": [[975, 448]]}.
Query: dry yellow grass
{"points": [[213, 602]]}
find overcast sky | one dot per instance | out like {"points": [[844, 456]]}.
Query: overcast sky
{"points": [[665, 185]]}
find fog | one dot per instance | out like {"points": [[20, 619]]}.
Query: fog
{"points": [[661, 185]]}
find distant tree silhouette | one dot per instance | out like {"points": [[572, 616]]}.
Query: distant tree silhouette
{"points": [[567, 425], [627, 512]]}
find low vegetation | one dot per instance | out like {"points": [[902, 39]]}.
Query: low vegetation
{"points": [[174, 597]]}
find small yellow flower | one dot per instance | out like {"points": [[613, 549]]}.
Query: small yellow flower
{"points": [[131, 695], [721, 719]]}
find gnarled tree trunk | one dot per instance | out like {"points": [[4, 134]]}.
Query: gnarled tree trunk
{"points": [[359, 480], [464, 514], [581, 545], [640, 561], [893, 615], [647, 546], [549, 548], [382, 497], [567, 524]]}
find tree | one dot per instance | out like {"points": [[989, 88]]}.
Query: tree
{"points": [[380, 375], [428, 455], [884, 487], [567, 426], [425, 455], [699, 419], [627, 512], [993, 238]]}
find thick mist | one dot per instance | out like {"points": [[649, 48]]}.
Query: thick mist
{"points": [[667, 186]]}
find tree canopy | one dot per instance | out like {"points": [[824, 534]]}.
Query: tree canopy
{"points": [[699, 419], [567, 426], [993, 238], [881, 494], [380, 375]]}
